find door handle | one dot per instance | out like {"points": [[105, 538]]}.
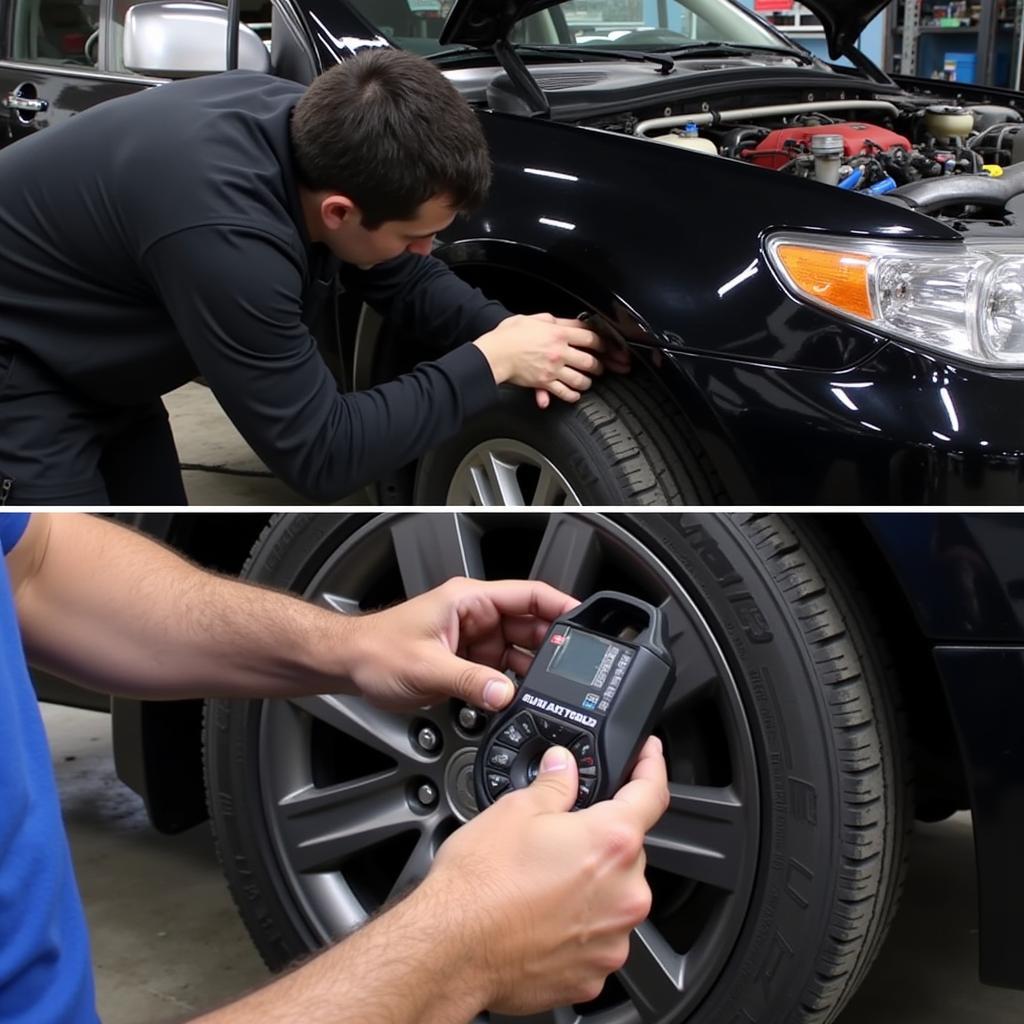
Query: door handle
{"points": [[29, 106]]}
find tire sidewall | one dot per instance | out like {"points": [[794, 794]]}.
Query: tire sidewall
{"points": [[799, 781]]}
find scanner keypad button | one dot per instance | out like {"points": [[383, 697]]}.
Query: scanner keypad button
{"points": [[518, 731], [586, 758], [556, 733], [497, 784], [586, 792], [583, 751], [501, 758]]}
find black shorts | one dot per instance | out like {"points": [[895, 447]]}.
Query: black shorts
{"points": [[60, 448]]}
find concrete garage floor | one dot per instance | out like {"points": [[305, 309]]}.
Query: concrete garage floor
{"points": [[168, 944], [224, 469]]}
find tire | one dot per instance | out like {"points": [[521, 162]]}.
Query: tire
{"points": [[778, 868], [620, 444]]}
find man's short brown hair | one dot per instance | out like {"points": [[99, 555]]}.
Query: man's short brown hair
{"points": [[389, 131]]}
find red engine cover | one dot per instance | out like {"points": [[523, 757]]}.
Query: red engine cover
{"points": [[858, 137]]}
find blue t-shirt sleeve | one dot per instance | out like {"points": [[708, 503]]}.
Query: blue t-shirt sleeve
{"points": [[45, 970], [12, 526]]}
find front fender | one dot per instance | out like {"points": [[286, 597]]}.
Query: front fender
{"points": [[528, 279], [677, 235], [524, 278]]}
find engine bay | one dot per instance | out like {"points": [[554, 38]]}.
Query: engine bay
{"points": [[961, 164], [883, 151]]}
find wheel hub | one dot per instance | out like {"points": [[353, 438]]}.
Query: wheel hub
{"points": [[458, 784]]}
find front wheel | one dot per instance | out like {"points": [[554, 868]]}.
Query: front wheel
{"points": [[776, 869], [620, 444]]}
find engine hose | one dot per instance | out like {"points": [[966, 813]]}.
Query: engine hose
{"points": [[749, 113], [850, 181], [736, 137], [961, 189]]}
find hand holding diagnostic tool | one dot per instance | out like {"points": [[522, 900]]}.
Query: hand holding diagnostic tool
{"points": [[596, 686]]}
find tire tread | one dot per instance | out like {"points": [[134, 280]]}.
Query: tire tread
{"points": [[629, 421], [876, 781]]}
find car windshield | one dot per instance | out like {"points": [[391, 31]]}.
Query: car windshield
{"points": [[647, 25]]}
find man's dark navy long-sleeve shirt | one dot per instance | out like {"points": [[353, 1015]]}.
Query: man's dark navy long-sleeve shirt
{"points": [[161, 236]]}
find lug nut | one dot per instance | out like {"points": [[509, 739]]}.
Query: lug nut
{"points": [[469, 718], [427, 795], [428, 739]]}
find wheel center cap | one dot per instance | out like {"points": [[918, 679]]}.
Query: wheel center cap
{"points": [[458, 784]]}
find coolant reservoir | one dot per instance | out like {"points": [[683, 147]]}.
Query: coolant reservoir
{"points": [[948, 123], [687, 138]]}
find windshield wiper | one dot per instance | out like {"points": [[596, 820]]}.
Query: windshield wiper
{"points": [[664, 61], [740, 49], [459, 51]]}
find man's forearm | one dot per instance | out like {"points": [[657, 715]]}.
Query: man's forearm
{"points": [[111, 609], [412, 965]]}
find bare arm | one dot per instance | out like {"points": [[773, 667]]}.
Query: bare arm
{"points": [[107, 607], [526, 908], [413, 965], [111, 609]]}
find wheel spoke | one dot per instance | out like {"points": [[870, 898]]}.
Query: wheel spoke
{"points": [[324, 826], [506, 482], [654, 973], [416, 867], [701, 836], [432, 548], [569, 556], [481, 491], [695, 673], [550, 488], [352, 716]]}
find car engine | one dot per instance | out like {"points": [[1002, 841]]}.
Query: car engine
{"points": [[958, 162]]}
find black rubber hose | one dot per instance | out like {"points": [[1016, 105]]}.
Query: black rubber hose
{"points": [[736, 137], [961, 189]]}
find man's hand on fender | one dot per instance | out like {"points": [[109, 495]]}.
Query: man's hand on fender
{"points": [[554, 356]]}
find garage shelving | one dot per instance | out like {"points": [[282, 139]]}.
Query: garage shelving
{"points": [[987, 35]]}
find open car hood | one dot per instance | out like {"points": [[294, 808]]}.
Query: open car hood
{"points": [[486, 22]]}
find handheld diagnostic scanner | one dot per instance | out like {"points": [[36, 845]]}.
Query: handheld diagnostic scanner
{"points": [[596, 686]]}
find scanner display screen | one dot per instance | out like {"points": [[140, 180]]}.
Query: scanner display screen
{"points": [[581, 656], [593, 669]]}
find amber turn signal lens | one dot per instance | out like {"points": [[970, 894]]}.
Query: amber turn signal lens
{"points": [[838, 279]]}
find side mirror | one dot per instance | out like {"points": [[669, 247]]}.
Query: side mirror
{"points": [[185, 39]]}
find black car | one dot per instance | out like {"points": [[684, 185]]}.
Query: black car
{"points": [[838, 675], [816, 266]]}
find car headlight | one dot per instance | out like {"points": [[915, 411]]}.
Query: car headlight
{"points": [[963, 300]]}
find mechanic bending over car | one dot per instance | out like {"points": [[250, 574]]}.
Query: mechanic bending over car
{"points": [[113, 610], [197, 229]]}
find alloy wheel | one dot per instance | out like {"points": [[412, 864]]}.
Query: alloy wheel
{"points": [[358, 800]]}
